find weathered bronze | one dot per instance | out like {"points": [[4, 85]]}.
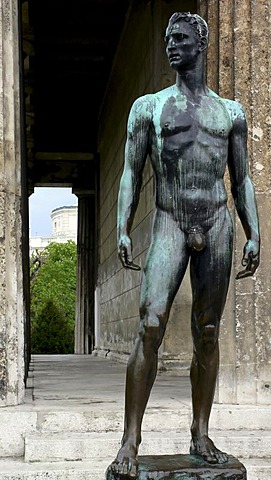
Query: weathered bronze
{"points": [[190, 134], [185, 467]]}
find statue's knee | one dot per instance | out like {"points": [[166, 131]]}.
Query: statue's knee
{"points": [[151, 330], [209, 337]]}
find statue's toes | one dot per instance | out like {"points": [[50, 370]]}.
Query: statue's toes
{"points": [[124, 467], [114, 466], [133, 469], [209, 457], [222, 457]]}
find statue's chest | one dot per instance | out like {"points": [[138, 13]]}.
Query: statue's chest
{"points": [[191, 120]]}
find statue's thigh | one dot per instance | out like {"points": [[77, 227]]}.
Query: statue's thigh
{"points": [[165, 267], [210, 272]]}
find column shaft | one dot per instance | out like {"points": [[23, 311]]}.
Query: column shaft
{"points": [[11, 276], [240, 66], [84, 322]]}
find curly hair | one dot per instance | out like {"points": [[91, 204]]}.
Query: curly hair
{"points": [[197, 22]]}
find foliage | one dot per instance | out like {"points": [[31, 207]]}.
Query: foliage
{"points": [[53, 292], [51, 333]]}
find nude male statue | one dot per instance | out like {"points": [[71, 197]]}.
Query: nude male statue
{"points": [[191, 134]]}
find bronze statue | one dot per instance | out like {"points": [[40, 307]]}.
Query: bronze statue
{"points": [[190, 134]]}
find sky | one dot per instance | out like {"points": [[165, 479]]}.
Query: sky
{"points": [[41, 203]]}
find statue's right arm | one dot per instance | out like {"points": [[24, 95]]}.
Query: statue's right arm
{"points": [[136, 150]]}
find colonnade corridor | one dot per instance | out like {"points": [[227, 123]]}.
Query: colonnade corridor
{"points": [[78, 225]]}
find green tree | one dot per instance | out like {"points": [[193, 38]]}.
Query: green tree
{"points": [[53, 290], [51, 332]]}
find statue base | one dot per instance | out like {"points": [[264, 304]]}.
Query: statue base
{"points": [[184, 467]]}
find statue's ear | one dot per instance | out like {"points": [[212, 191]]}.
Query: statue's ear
{"points": [[203, 44]]}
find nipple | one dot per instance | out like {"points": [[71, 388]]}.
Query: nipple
{"points": [[196, 239]]}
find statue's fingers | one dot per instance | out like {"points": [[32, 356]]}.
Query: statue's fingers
{"points": [[246, 259], [254, 264], [250, 268], [129, 256], [247, 271], [243, 274], [123, 256], [132, 265]]}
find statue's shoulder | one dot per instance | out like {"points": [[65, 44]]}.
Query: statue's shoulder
{"points": [[165, 93], [143, 106], [235, 109]]}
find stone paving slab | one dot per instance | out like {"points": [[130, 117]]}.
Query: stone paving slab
{"points": [[95, 383]]}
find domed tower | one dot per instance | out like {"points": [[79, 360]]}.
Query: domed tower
{"points": [[64, 223]]}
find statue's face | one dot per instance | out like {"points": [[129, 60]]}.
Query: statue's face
{"points": [[182, 45]]}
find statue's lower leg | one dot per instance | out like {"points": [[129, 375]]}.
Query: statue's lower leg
{"points": [[141, 373], [203, 375]]}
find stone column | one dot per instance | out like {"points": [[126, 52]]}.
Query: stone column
{"points": [[239, 68], [11, 277], [85, 284]]}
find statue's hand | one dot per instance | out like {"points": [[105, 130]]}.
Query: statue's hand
{"points": [[250, 260], [125, 253]]}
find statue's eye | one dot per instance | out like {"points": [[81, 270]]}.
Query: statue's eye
{"points": [[180, 36], [175, 37]]}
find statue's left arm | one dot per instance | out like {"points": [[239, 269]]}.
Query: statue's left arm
{"points": [[243, 191]]}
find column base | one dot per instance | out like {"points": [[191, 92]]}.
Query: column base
{"points": [[184, 467]]}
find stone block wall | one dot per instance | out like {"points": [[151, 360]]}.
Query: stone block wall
{"points": [[140, 67], [131, 77]]}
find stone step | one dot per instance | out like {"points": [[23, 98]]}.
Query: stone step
{"points": [[223, 417], [19, 422], [21, 470], [87, 446], [106, 421], [257, 469]]}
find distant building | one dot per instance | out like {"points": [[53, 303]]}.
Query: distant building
{"points": [[64, 228]]}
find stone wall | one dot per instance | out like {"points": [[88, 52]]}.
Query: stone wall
{"points": [[131, 77], [140, 67], [239, 68], [11, 292]]}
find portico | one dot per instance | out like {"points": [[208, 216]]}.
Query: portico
{"points": [[63, 113]]}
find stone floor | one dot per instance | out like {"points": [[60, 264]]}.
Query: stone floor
{"points": [[73, 381]]}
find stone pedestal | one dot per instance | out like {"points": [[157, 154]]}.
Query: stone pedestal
{"points": [[184, 467]]}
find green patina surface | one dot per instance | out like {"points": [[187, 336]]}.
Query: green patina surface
{"points": [[184, 467]]}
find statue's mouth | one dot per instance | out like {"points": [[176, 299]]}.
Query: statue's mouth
{"points": [[174, 57]]}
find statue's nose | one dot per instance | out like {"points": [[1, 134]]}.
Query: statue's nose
{"points": [[171, 43]]}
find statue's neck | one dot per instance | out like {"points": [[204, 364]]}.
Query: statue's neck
{"points": [[191, 80]]}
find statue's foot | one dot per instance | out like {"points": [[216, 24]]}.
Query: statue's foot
{"points": [[205, 448], [126, 463]]}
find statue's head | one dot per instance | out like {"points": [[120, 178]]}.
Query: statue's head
{"points": [[186, 37]]}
